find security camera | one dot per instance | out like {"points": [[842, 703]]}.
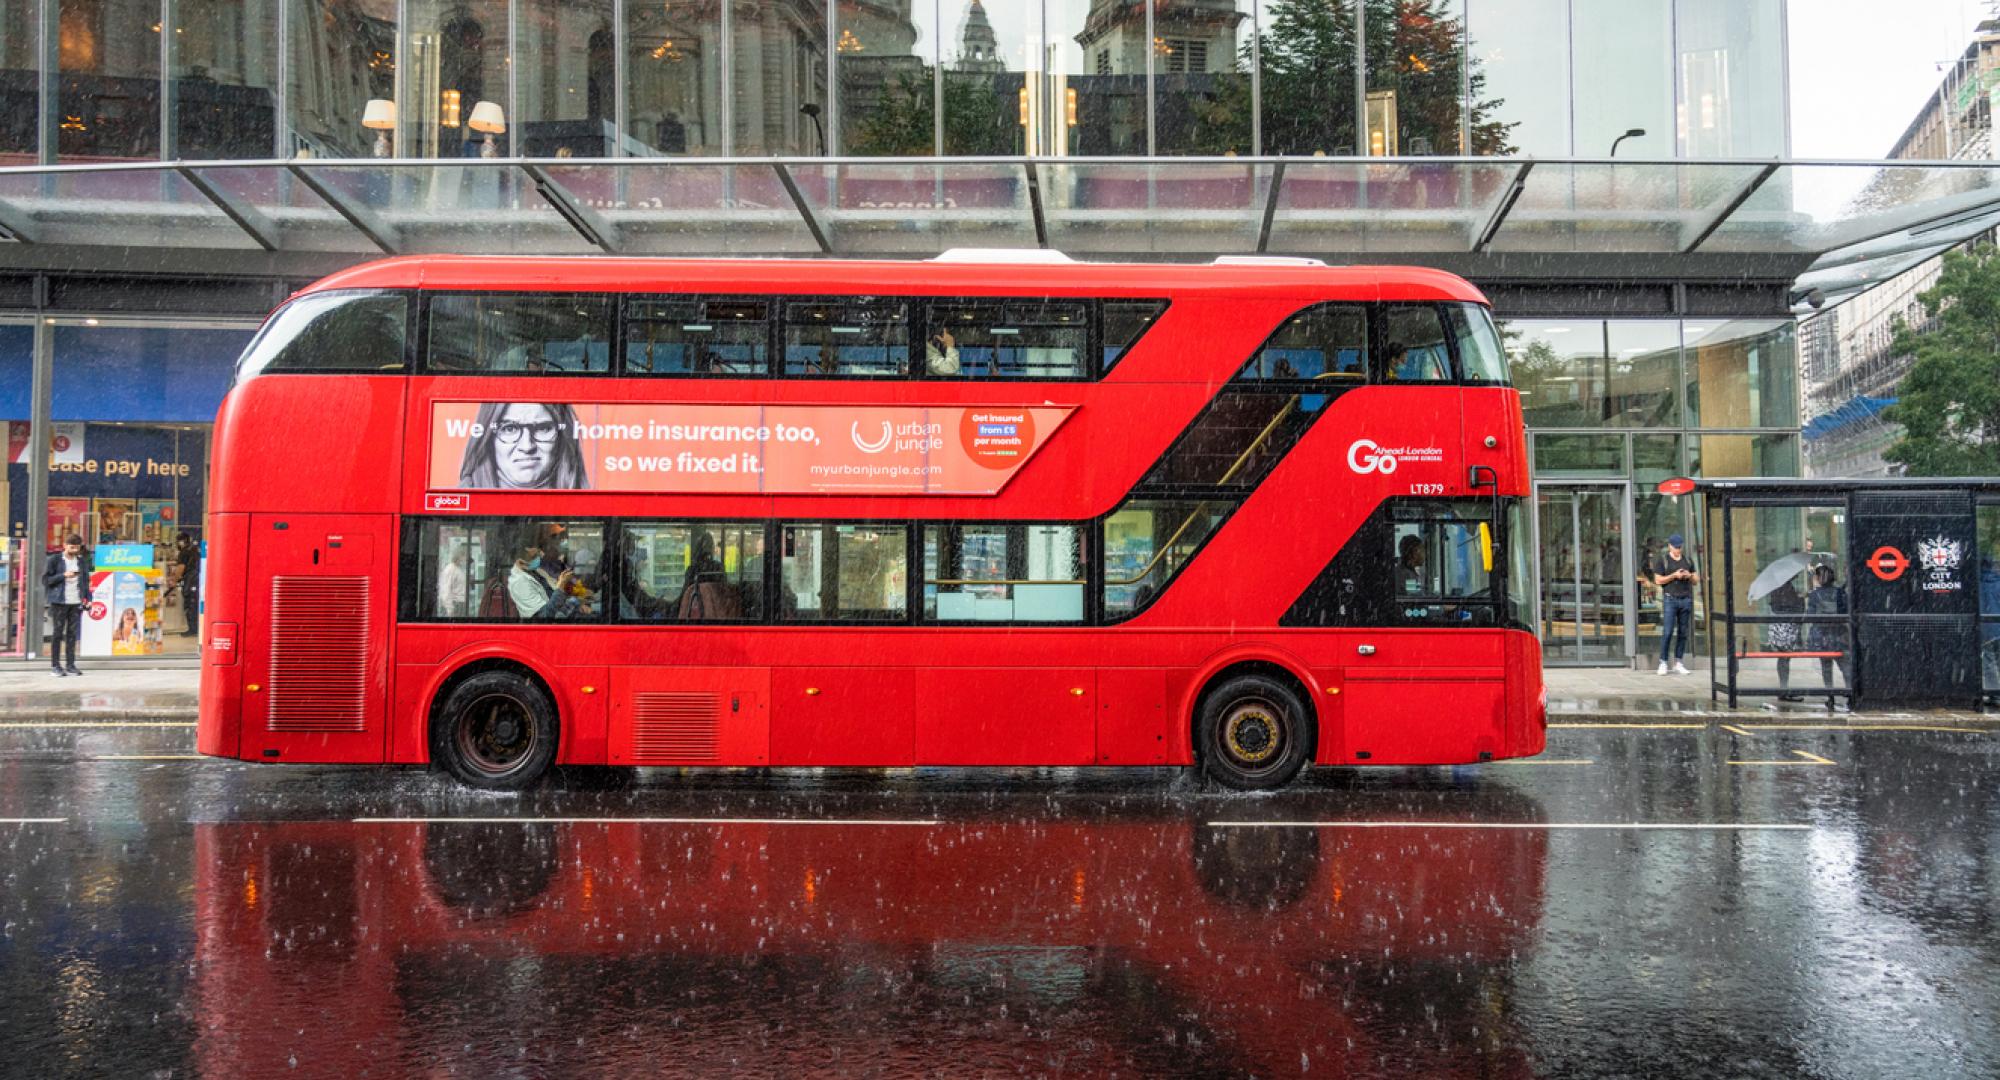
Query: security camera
{"points": [[1814, 298]]}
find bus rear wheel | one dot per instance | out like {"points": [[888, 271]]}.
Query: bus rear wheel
{"points": [[496, 731], [1252, 734]]}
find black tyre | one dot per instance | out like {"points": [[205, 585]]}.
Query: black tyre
{"points": [[1253, 734], [496, 731]]}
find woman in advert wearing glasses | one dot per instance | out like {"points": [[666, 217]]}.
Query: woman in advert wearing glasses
{"points": [[523, 445]]}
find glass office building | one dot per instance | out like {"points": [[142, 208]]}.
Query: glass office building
{"points": [[1648, 314]]}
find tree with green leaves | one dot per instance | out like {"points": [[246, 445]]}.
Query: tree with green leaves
{"points": [[901, 123], [1949, 403], [1414, 47]]}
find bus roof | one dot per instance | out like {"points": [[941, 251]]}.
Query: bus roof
{"points": [[896, 277]]}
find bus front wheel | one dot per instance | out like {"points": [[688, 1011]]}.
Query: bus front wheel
{"points": [[1252, 734], [495, 731]]}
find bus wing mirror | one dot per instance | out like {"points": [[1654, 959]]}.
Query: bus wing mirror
{"points": [[1486, 545]]}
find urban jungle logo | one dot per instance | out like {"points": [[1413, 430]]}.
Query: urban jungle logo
{"points": [[1938, 558], [1366, 456]]}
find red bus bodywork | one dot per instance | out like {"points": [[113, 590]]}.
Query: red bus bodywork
{"points": [[313, 473]]}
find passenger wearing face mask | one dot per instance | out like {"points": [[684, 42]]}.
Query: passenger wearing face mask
{"points": [[534, 595]]}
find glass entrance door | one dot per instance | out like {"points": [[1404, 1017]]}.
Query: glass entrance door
{"points": [[1586, 575]]}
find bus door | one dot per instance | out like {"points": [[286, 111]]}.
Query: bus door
{"points": [[315, 636]]}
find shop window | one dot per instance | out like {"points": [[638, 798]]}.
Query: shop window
{"points": [[691, 572], [508, 570], [1125, 321], [846, 338], [1003, 573], [854, 573], [341, 330], [528, 334], [1013, 339], [688, 335]]}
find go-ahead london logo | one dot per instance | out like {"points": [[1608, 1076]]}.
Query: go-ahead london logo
{"points": [[1366, 456]]}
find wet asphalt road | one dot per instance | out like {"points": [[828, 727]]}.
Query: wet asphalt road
{"points": [[1812, 902]]}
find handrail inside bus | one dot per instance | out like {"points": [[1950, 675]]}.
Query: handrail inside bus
{"points": [[1234, 468]]}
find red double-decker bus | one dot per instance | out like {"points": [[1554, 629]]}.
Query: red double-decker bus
{"points": [[500, 515]]}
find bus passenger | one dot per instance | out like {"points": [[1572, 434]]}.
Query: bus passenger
{"points": [[533, 594], [451, 586], [941, 354], [705, 591], [524, 445]]}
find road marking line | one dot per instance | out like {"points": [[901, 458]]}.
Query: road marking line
{"points": [[1645, 727], [637, 821], [67, 724], [32, 820], [148, 757], [1738, 730], [1635, 825], [1544, 761], [1870, 727], [1810, 759]]}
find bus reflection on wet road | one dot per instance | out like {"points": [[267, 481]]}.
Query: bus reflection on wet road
{"points": [[1654, 906]]}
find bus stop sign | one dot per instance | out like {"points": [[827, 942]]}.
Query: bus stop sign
{"points": [[1888, 563]]}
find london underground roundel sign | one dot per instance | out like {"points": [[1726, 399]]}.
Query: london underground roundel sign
{"points": [[1888, 563]]}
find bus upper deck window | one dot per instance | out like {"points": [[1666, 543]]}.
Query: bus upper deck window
{"points": [[343, 330], [1479, 351], [1125, 321], [693, 335], [1329, 341], [1413, 341], [1010, 339], [505, 334], [850, 337]]}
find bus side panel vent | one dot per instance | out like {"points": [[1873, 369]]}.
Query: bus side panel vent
{"points": [[319, 654], [676, 728]]}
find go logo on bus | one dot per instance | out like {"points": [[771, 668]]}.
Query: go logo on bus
{"points": [[1367, 456]]}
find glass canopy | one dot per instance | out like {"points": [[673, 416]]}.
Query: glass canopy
{"points": [[1842, 225]]}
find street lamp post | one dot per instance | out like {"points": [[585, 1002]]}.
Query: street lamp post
{"points": [[1633, 133]]}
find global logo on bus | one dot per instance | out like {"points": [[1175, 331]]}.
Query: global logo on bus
{"points": [[1366, 456]]}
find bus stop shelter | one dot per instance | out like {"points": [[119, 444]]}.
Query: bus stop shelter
{"points": [[1884, 592]]}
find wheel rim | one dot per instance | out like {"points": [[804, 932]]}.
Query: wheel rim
{"points": [[496, 735], [1254, 736]]}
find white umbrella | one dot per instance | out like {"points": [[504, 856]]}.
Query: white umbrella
{"points": [[1781, 571]]}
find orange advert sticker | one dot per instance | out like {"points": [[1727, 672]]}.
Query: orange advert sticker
{"points": [[750, 449]]}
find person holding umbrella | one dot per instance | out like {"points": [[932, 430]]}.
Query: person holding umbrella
{"points": [[1774, 584]]}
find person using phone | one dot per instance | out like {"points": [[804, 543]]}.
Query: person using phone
{"points": [[66, 577], [1674, 572]]}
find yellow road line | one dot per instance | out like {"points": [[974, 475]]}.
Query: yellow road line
{"points": [[1810, 759], [72, 724], [1738, 730]]}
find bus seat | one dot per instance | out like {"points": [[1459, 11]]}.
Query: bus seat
{"points": [[494, 603]]}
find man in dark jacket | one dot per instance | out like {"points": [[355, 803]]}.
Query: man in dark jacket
{"points": [[66, 577]]}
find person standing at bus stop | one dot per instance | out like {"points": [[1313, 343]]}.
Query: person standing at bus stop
{"points": [[1675, 574], [67, 579]]}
